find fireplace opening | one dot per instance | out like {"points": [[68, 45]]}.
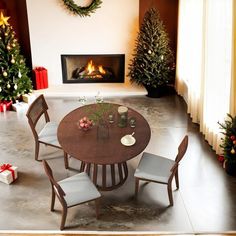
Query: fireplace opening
{"points": [[107, 68]]}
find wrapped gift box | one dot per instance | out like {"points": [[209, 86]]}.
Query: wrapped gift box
{"points": [[8, 173], [40, 75], [28, 98], [20, 106], [5, 106]]}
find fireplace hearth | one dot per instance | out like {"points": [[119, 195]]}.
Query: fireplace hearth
{"points": [[105, 68]]}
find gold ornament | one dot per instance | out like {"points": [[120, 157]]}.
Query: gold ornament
{"points": [[3, 20], [13, 45], [4, 74], [232, 151], [8, 86], [13, 61]]}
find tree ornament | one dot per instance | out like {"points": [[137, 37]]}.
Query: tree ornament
{"points": [[15, 86], [234, 142], [162, 57], [13, 61], [8, 47], [82, 11], [3, 20], [5, 74], [6, 34], [8, 85], [13, 45], [149, 52], [232, 137], [19, 74], [232, 151]]}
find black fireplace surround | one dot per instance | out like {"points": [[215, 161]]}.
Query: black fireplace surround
{"points": [[98, 68]]}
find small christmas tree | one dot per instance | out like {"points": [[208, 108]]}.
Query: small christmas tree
{"points": [[14, 80], [229, 140], [153, 61]]}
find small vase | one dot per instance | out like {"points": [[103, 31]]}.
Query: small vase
{"points": [[102, 130]]}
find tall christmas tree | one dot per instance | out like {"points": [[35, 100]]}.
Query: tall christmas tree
{"points": [[14, 80], [153, 61]]}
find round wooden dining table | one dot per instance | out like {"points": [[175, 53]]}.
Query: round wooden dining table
{"points": [[104, 159]]}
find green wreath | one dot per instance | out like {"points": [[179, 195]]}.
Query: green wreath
{"points": [[82, 11]]}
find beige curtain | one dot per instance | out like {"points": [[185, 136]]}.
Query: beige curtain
{"points": [[233, 84], [204, 75]]}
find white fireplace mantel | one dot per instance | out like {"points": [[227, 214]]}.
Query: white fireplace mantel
{"points": [[90, 90]]}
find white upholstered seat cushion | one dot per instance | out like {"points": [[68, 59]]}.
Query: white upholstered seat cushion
{"points": [[49, 134], [154, 167], [78, 189]]}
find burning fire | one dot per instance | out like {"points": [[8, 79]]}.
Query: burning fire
{"points": [[92, 68]]}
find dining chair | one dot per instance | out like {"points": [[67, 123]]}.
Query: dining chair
{"points": [[48, 134], [72, 191], [158, 169]]}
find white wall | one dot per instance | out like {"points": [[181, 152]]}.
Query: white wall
{"points": [[55, 31]]}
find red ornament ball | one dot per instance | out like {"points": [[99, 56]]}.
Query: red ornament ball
{"points": [[232, 137]]}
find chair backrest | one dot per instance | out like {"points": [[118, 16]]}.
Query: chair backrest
{"points": [[38, 108], [182, 149], [55, 186]]}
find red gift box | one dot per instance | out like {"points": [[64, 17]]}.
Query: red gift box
{"points": [[40, 75], [5, 106]]}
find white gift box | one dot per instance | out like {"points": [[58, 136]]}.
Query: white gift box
{"points": [[6, 176], [28, 98], [20, 106]]}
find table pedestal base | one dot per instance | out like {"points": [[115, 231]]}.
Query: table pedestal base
{"points": [[106, 177]]}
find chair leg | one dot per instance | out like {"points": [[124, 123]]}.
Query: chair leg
{"points": [[36, 151], [169, 189], [177, 179], [97, 207], [136, 186], [63, 219], [66, 160], [52, 200]]}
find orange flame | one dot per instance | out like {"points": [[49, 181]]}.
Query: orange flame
{"points": [[101, 70], [90, 67]]}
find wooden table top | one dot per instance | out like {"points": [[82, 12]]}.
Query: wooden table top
{"points": [[85, 146]]}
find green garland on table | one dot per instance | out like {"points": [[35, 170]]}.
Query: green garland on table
{"points": [[82, 11]]}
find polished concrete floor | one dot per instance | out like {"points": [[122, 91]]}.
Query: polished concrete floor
{"points": [[205, 202]]}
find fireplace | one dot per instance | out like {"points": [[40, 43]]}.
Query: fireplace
{"points": [[108, 68]]}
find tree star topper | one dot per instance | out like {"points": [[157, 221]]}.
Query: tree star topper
{"points": [[3, 20]]}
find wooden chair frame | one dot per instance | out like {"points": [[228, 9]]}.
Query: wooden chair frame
{"points": [[58, 191], [37, 109], [174, 172]]}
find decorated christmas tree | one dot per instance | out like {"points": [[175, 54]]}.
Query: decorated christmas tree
{"points": [[153, 61], [14, 80]]}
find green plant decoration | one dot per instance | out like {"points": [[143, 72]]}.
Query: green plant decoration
{"points": [[229, 141], [82, 11], [14, 79], [153, 61]]}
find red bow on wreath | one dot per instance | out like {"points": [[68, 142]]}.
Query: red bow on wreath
{"points": [[7, 167]]}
